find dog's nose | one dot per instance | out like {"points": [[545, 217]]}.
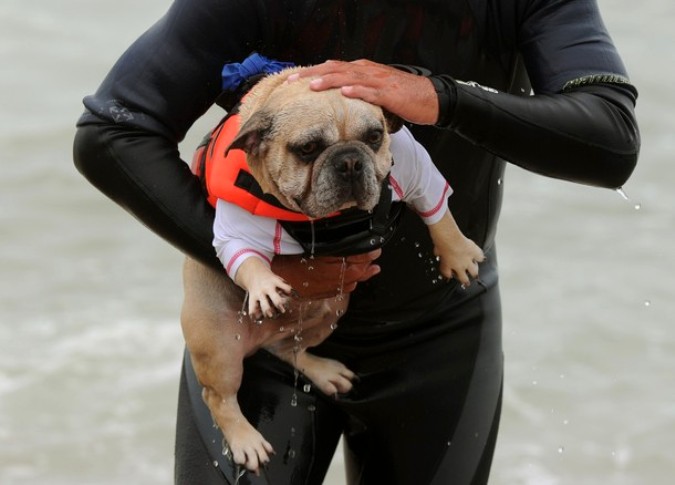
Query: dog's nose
{"points": [[349, 166]]}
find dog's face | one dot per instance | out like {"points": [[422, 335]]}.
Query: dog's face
{"points": [[317, 152]]}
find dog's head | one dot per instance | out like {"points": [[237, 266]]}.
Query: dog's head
{"points": [[316, 152]]}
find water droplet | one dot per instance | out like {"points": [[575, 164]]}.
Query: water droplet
{"points": [[562, 376], [215, 463], [291, 453], [310, 268], [419, 255], [566, 421], [333, 326], [307, 387], [534, 383], [339, 312], [305, 284], [449, 443], [237, 337], [499, 181], [648, 303], [417, 244], [621, 192], [282, 328], [303, 261], [259, 320], [311, 408], [637, 206], [294, 400], [561, 449], [373, 242]]}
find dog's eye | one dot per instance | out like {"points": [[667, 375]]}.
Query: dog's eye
{"points": [[307, 151], [309, 148], [374, 138]]}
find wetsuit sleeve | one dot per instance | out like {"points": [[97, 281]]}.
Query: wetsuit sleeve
{"points": [[126, 143], [580, 123]]}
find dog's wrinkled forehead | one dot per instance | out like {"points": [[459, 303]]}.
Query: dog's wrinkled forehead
{"points": [[302, 112]]}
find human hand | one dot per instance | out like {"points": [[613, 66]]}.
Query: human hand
{"points": [[410, 96], [326, 276]]}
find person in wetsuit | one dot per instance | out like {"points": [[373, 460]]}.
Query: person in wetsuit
{"points": [[537, 83]]}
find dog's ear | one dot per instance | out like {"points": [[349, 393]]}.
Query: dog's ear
{"points": [[392, 121], [252, 133]]}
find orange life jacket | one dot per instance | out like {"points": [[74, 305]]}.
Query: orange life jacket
{"points": [[226, 174]]}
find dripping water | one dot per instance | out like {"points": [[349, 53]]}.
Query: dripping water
{"points": [[311, 248], [637, 206]]}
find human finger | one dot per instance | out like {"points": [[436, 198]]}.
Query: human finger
{"points": [[327, 67]]}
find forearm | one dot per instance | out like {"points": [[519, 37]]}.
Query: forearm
{"points": [[588, 135], [143, 173]]}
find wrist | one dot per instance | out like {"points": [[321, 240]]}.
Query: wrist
{"points": [[446, 91]]}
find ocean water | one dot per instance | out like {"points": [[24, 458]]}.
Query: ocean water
{"points": [[90, 345]]}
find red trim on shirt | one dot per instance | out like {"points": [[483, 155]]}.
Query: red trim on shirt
{"points": [[395, 185], [277, 238], [240, 253], [440, 204]]}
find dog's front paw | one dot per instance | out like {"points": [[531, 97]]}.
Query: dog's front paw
{"points": [[268, 298], [462, 262], [267, 305]]}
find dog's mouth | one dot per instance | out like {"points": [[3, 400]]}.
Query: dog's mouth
{"points": [[323, 203]]}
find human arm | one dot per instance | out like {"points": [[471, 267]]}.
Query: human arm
{"points": [[588, 134], [583, 131]]}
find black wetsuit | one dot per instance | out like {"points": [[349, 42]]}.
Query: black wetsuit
{"points": [[428, 354]]}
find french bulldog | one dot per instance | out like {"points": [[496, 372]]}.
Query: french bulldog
{"points": [[318, 153]]}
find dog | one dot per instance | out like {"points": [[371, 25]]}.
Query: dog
{"points": [[317, 153]]}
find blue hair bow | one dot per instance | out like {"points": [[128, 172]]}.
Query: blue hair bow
{"points": [[236, 73]]}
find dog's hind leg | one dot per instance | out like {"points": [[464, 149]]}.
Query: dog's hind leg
{"points": [[217, 350], [330, 376]]}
